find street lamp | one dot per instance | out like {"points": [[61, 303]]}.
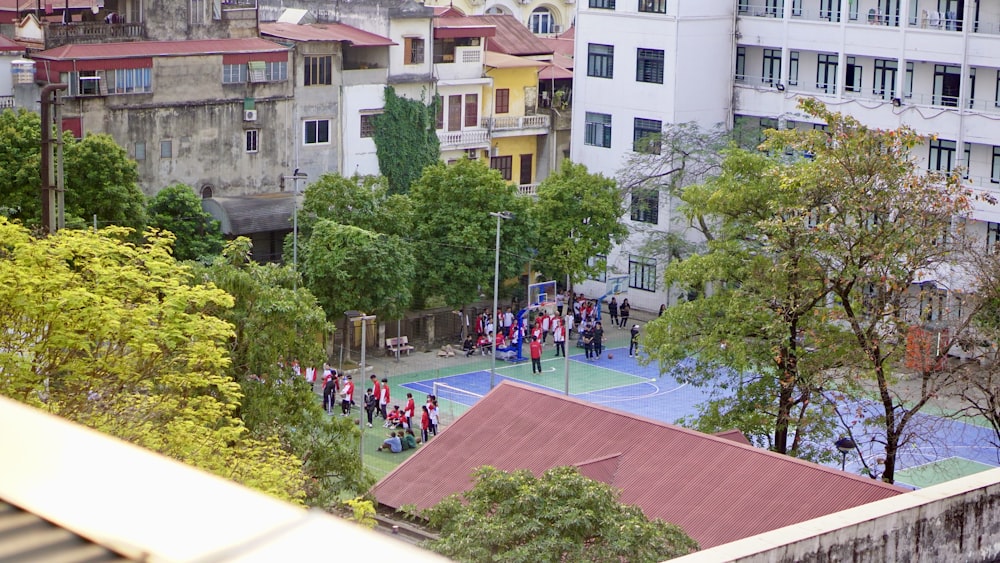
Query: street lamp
{"points": [[295, 177], [504, 215], [844, 446], [359, 316]]}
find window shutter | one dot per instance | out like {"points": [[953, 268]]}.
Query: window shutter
{"points": [[257, 71]]}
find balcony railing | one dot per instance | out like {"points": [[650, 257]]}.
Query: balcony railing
{"points": [[471, 138], [6, 102], [527, 189], [92, 32], [514, 122]]}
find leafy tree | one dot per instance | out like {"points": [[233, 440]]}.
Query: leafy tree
{"points": [[359, 201], [561, 516], [457, 235], [100, 178], [577, 214], [117, 337], [349, 268], [405, 139], [274, 322], [883, 223], [177, 209]]}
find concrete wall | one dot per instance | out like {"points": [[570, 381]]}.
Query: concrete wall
{"points": [[955, 521], [172, 20]]}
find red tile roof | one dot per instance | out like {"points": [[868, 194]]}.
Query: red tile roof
{"points": [[9, 45], [161, 49], [717, 490], [325, 32], [512, 37]]}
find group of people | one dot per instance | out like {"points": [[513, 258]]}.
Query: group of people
{"points": [[619, 313], [402, 422]]}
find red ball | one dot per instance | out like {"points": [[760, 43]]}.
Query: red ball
{"points": [[610, 356]]}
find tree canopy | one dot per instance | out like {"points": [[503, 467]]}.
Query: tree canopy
{"points": [[117, 336], [560, 516], [359, 201], [577, 214], [178, 209]]}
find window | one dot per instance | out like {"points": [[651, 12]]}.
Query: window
{"points": [[252, 137], [275, 71], [884, 84], [316, 132], [947, 81], [793, 68], [826, 73], [130, 81], [908, 87], [368, 125], [197, 13], [140, 151], [472, 110], [600, 262], [995, 172], [942, 155], [502, 100], [541, 21], [166, 149], [318, 70], [600, 60], [602, 4], [645, 206], [646, 135], [439, 112], [649, 66], [853, 78], [827, 11], [89, 83], [741, 64], [992, 235], [413, 50], [505, 164], [772, 66], [641, 273], [597, 130], [653, 6], [996, 95], [234, 74], [796, 7]]}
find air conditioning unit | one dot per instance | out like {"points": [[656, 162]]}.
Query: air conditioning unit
{"points": [[556, 28], [249, 115]]}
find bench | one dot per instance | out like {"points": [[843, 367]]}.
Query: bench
{"points": [[398, 344]]}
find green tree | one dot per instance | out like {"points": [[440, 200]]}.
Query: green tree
{"points": [[765, 318], [359, 201], [405, 139], [577, 214], [561, 516], [100, 177], [456, 234], [349, 268], [883, 223], [275, 323], [177, 209], [117, 336]]}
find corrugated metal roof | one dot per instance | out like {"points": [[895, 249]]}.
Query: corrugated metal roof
{"points": [[512, 37], [27, 537], [458, 26], [161, 49], [252, 214], [716, 489], [9, 45], [325, 32]]}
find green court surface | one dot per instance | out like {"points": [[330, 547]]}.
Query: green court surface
{"points": [[938, 472]]}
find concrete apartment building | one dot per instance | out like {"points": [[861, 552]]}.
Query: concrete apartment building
{"points": [[933, 65]]}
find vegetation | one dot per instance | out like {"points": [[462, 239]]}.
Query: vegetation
{"points": [[405, 140], [177, 209], [120, 338], [560, 516]]}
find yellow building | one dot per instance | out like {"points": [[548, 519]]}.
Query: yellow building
{"points": [[518, 133]]}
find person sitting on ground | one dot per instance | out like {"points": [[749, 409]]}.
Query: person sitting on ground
{"points": [[468, 345], [394, 420], [409, 440], [392, 443], [484, 344]]}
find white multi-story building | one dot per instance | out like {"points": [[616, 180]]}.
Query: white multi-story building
{"points": [[933, 65]]}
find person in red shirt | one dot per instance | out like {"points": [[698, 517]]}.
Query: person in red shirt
{"points": [[347, 397], [535, 349], [425, 423], [377, 391], [384, 398], [409, 409]]}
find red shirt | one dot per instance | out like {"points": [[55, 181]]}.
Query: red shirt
{"points": [[425, 420], [408, 411], [536, 349], [378, 390]]}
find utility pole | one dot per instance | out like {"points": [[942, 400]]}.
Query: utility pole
{"points": [[48, 190]]}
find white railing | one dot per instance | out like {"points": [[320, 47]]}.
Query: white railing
{"points": [[527, 189], [516, 122], [6, 102], [470, 137]]}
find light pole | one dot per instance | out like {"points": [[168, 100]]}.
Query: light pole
{"points": [[359, 316], [844, 446], [504, 215], [295, 177]]}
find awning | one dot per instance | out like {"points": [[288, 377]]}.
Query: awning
{"points": [[246, 215]]}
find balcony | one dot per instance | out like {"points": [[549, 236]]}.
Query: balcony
{"points": [[511, 126], [527, 189], [57, 34], [6, 102], [468, 139]]}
